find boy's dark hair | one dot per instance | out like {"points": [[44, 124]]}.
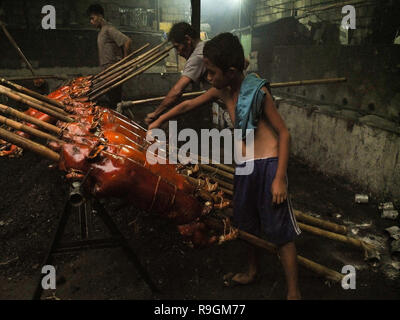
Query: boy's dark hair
{"points": [[225, 51], [180, 30], [95, 9]]}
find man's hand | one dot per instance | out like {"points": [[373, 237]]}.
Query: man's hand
{"points": [[279, 190], [150, 117]]}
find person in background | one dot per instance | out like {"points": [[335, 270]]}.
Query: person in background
{"points": [[189, 46], [112, 45]]}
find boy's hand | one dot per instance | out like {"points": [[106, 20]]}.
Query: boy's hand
{"points": [[150, 117], [278, 190], [155, 124]]}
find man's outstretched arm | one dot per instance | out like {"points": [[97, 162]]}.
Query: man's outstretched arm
{"points": [[186, 106], [172, 97]]}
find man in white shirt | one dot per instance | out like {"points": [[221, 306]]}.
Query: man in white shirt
{"points": [[189, 46]]}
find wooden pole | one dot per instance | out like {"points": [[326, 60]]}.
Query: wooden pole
{"points": [[327, 225], [216, 171], [119, 76], [22, 116], [10, 38], [136, 102], [39, 106], [128, 64], [308, 264], [34, 94], [273, 85], [128, 77], [29, 145], [121, 61], [307, 82], [22, 127], [334, 236], [36, 77]]}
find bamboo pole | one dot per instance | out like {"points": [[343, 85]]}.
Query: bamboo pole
{"points": [[36, 77], [29, 145], [136, 102], [335, 236], [129, 77], [128, 64], [10, 38], [307, 82], [227, 191], [18, 97], [121, 61], [22, 116], [34, 94], [308, 264], [216, 171], [271, 248], [327, 225], [273, 85], [22, 127], [120, 76]]}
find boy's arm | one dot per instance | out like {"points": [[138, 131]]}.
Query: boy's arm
{"points": [[171, 98], [185, 106], [279, 187]]}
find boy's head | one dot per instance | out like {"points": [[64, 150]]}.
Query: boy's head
{"points": [[224, 59], [184, 38], [96, 14]]}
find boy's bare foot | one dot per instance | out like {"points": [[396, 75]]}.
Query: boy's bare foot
{"points": [[232, 279]]}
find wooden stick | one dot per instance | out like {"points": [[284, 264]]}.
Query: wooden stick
{"points": [[334, 236], [34, 94], [16, 47], [308, 264], [120, 61], [125, 73], [327, 225], [216, 171], [36, 77], [128, 77], [306, 82], [18, 97], [273, 85], [128, 64], [22, 127], [137, 102], [22, 116], [29, 145]]}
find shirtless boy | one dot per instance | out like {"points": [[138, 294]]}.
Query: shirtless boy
{"points": [[260, 200]]}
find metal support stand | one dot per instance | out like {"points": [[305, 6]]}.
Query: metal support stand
{"points": [[86, 209]]}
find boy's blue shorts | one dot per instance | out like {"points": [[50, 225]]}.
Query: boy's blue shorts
{"points": [[253, 210]]}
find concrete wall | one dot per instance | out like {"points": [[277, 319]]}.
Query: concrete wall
{"points": [[373, 73], [346, 144]]}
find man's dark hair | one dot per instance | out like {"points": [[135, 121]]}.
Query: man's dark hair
{"points": [[180, 30], [225, 51], [95, 9]]}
